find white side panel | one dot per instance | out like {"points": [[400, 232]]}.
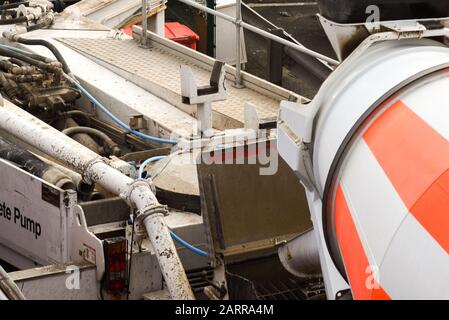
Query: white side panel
{"points": [[225, 36], [32, 217]]}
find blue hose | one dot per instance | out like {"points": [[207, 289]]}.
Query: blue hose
{"points": [[104, 109], [144, 164], [139, 134], [173, 235], [188, 245], [14, 49], [118, 121]]}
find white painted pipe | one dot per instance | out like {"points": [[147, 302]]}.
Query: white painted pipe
{"points": [[3, 296], [300, 256], [94, 168], [9, 286]]}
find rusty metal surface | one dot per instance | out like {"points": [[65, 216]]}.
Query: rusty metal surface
{"points": [[246, 211]]}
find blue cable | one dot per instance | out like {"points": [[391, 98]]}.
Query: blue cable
{"points": [[188, 245], [118, 121], [139, 134], [173, 235], [144, 164], [14, 49], [104, 109]]}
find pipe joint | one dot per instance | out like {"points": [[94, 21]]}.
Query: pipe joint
{"points": [[145, 213], [89, 175], [138, 188]]}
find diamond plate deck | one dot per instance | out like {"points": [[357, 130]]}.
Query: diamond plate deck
{"points": [[157, 70]]}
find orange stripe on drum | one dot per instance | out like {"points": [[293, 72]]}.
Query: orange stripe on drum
{"points": [[415, 157], [364, 286]]}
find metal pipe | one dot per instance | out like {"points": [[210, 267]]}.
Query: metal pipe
{"points": [[238, 30], [144, 39], [316, 68], [81, 186], [9, 286], [83, 138], [3, 295], [32, 164], [93, 168], [113, 147], [263, 33], [300, 256]]}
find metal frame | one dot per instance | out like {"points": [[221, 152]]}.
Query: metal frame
{"points": [[240, 24]]}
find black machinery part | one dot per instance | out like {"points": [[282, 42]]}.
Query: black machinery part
{"points": [[355, 11]]}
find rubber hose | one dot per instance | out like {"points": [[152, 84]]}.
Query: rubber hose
{"points": [[108, 141], [13, 5], [21, 19], [50, 47]]}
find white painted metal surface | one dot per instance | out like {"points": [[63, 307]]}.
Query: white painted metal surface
{"points": [[95, 169], [401, 241], [59, 282], [113, 13], [225, 43], [373, 225], [157, 70], [29, 224], [358, 84]]}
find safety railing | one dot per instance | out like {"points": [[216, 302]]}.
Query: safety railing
{"points": [[239, 24]]}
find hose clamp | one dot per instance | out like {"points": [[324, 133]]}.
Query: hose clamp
{"points": [[89, 176], [150, 210], [126, 194]]}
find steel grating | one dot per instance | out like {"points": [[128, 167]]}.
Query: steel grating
{"points": [[157, 70]]}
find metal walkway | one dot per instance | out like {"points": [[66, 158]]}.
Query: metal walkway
{"points": [[157, 71]]}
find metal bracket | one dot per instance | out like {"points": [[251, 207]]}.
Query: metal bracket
{"points": [[203, 96]]}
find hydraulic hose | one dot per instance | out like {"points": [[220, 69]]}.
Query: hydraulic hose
{"points": [[48, 20], [32, 164], [188, 245], [22, 157], [101, 106], [81, 114], [172, 234], [83, 138], [118, 121], [13, 20], [49, 46], [13, 5], [95, 169], [28, 59], [115, 149]]}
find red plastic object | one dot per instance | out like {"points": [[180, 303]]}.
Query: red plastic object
{"points": [[128, 30], [181, 34], [176, 32]]}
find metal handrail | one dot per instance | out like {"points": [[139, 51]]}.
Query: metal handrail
{"points": [[240, 24]]}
